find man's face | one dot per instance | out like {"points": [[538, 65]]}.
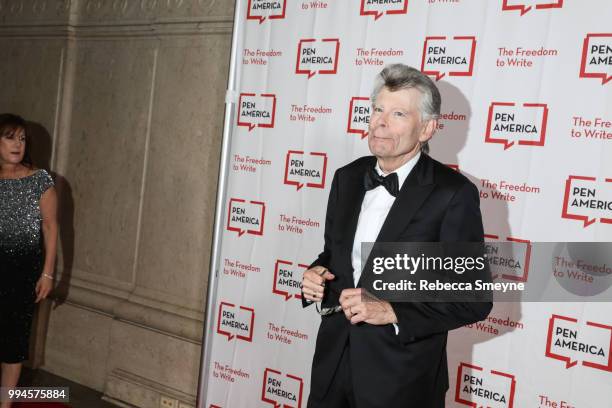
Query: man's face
{"points": [[396, 128], [12, 146]]}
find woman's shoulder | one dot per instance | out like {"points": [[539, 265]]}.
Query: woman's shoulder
{"points": [[43, 178], [36, 172]]}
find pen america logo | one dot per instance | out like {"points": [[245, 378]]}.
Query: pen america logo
{"points": [[448, 56], [572, 342], [588, 199], [359, 116], [524, 125], [256, 111], [597, 57], [282, 390], [235, 321], [288, 279], [262, 9], [510, 262], [305, 169], [479, 388], [378, 8], [525, 6], [317, 56], [246, 217]]}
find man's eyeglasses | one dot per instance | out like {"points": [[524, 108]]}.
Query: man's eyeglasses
{"points": [[326, 311]]}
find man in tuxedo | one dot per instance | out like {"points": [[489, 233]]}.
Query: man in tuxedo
{"points": [[372, 354]]}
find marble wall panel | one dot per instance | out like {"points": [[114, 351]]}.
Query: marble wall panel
{"points": [[169, 362], [77, 345], [106, 150], [179, 199]]}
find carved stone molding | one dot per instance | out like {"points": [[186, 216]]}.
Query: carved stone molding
{"points": [[147, 10], [13, 11], [119, 32], [163, 317], [76, 13], [125, 387], [114, 19], [120, 6]]}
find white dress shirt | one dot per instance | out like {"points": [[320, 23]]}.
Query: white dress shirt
{"points": [[374, 209]]}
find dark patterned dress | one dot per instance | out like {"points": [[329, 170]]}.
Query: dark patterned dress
{"points": [[21, 259]]}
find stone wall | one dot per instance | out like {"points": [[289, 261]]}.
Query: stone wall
{"points": [[126, 103]]}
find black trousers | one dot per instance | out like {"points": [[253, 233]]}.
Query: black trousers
{"points": [[340, 393]]}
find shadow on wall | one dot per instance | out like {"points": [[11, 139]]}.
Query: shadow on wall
{"points": [[41, 146], [445, 147], [494, 212]]}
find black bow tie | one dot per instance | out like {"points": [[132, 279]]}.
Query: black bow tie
{"points": [[372, 180]]}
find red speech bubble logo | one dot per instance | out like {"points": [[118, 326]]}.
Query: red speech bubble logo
{"points": [[241, 216], [359, 116], [235, 322], [298, 169], [524, 246], [577, 193], [596, 57], [497, 398], [379, 9], [320, 54], [214, 406], [503, 127], [606, 367], [256, 111], [282, 392], [285, 284], [454, 167], [454, 57], [262, 9], [567, 334], [512, 5]]}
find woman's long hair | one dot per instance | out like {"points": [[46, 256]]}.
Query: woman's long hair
{"points": [[9, 123]]}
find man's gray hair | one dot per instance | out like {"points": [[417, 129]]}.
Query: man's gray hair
{"points": [[396, 77]]}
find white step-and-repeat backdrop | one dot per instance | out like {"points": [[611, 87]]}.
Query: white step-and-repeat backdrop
{"points": [[526, 116]]}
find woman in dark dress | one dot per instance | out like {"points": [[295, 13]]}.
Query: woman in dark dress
{"points": [[28, 203]]}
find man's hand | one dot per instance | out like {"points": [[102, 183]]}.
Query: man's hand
{"points": [[359, 306], [313, 282]]}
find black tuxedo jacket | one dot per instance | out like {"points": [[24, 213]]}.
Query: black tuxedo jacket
{"points": [[435, 203]]}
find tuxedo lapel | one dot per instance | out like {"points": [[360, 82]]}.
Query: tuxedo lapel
{"points": [[352, 216], [352, 197]]}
